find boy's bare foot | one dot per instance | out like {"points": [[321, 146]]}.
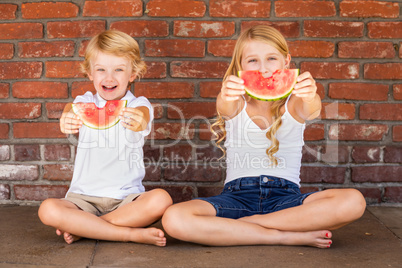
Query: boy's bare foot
{"points": [[150, 235], [69, 238], [319, 239]]}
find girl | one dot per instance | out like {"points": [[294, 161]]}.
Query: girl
{"points": [[261, 202]]}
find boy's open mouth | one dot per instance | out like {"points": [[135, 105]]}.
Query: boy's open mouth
{"points": [[109, 88]]}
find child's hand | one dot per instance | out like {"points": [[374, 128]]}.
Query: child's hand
{"points": [[232, 88], [135, 119], [305, 87], [70, 123]]}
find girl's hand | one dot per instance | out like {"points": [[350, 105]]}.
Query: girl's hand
{"points": [[232, 88], [305, 87], [135, 119], [70, 123]]}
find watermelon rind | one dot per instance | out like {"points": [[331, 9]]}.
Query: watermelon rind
{"points": [[255, 93], [79, 107]]}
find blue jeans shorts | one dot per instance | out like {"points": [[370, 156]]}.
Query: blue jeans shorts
{"points": [[256, 195]]}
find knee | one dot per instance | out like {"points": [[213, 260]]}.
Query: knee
{"points": [[161, 200], [173, 221], [355, 203], [48, 211]]}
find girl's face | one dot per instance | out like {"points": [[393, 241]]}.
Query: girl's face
{"points": [[111, 75], [260, 56]]}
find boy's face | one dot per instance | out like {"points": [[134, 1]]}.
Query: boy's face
{"points": [[111, 75]]}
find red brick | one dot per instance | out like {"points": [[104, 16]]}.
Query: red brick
{"points": [[32, 130], [20, 110], [289, 29], [57, 152], [178, 193], [155, 70], [393, 154], [310, 153], [210, 89], [396, 133], [320, 174], [400, 50], [207, 153], [369, 9], [158, 110], [132, 8], [207, 29], [40, 90], [358, 91], [366, 154], [397, 89], [221, 48], [6, 51], [4, 152], [20, 70], [319, 28], [304, 9], [207, 191], [59, 172], [21, 30], [331, 70], [46, 10], [180, 110], [173, 131], [338, 111], [205, 132], [376, 173], [4, 189], [381, 111], [199, 173], [26, 152], [380, 29], [366, 50], [314, 132], [176, 8], [74, 29], [142, 28], [39, 192], [7, 11], [152, 173], [240, 8], [305, 190], [311, 49], [19, 172], [46, 49], [79, 88], [4, 129], [372, 195], [4, 89], [352, 132], [200, 69], [393, 194], [63, 69], [175, 48], [54, 109], [335, 154], [178, 152], [390, 71], [164, 90], [152, 153]]}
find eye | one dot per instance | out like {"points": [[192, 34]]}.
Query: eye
{"points": [[271, 58], [251, 60], [100, 69], [119, 70]]}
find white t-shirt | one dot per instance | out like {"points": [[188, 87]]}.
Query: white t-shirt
{"points": [[246, 146], [109, 162]]}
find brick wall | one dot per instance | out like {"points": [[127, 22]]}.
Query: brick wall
{"points": [[351, 47]]}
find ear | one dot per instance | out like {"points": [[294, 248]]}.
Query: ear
{"points": [[132, 77], [90, 76], [287, 61]]}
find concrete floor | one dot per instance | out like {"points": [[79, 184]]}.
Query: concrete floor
{"points": [[372, 241]]}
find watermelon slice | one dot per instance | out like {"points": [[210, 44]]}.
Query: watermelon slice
{"points": [[276, 87], [99, 118]]}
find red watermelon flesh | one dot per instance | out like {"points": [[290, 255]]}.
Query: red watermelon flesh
{"points": [[276, 87], [99, 118]]}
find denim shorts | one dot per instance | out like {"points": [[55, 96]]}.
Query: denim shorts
{"points": [[256, 195]]}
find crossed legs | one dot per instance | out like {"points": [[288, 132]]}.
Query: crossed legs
{"points": [[126, 223], [307, 224]]}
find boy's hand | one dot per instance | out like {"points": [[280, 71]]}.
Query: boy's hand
{"points": [[232, 88], [135, 119], [70, 123]]}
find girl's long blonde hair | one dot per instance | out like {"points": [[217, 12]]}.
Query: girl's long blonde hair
{"points": [[273, 37]]}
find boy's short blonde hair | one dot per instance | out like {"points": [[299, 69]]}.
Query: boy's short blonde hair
{"points": [[116, 43]]}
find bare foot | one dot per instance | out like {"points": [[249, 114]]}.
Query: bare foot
{"points": [[150, 235], [69, 238], [319, 239]]}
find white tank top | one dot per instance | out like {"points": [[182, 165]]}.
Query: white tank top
{"points": [[246, 146]]}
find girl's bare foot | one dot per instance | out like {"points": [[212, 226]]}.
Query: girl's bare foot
{"points": [[319, 239], [69, 238], [150, 235]]}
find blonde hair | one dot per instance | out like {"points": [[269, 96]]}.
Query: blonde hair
{"points": [[116, 43], [273, 37]]}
